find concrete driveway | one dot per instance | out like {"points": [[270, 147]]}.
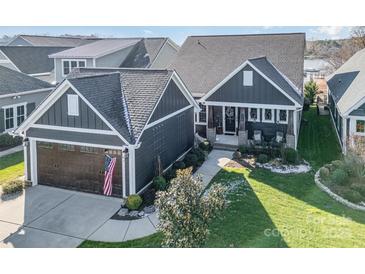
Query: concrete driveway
{"points": [[50, 217]]}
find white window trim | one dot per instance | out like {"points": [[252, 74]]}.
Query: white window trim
{"points": [[278, 116], [258, 115], [272, 120], [74, 112], [70, 60], [198, 122], [15, 115], [247, 78]]}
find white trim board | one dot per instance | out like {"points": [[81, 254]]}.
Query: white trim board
{"points": [[248, 105], [167, 117], [9, 61], [234, 72], [75, 129], [25, 92]]}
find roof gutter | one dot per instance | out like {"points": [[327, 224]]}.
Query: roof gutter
{"points": [[25, 92]]}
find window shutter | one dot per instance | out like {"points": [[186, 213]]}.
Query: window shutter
{"points": [[30, 108], [2, 121]]}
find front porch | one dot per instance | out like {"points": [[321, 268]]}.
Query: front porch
{"points": [[249, 125]]}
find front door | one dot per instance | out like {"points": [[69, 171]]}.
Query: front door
{"points": [[230, 120]]}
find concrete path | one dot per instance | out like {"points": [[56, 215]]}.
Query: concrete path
{"points": [[11, 150], [217, 159]]}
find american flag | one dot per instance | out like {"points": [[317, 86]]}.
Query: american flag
{"points": [[109, 164]]}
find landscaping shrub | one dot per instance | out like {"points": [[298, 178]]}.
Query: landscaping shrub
{"points": [[338, 164], [160, 183], [354, 165], [12, 186], [134, 201], [262, 158], [339, 177], [330, 167], [179, 165], [149, 196], [170, 174], [7, 140], [324, 173], [191, 160], [237, 155], [359, 187], [243, 149], [290, 156], [200, 154], [206, 146], [351, 195]]}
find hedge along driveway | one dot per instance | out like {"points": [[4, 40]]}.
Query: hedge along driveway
{"points": [[11, 167]]}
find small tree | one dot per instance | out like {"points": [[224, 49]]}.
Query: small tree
{"points": [[185, 212], [310, 90]]}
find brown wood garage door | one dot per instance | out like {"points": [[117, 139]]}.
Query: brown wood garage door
{"points": [[76, 168]]}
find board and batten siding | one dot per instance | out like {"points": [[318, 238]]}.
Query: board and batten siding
{"points": [[57, 115], [261, 92], [172, 100], [168, 139]]}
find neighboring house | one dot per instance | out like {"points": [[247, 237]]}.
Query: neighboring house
{"points": [[49, 41], [135, 115], [346, 89], [32, 60], [245, 84], [122, 52], [19, 95], [316, 68]]}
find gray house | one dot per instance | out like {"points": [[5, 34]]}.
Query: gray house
{"points": [[110, 53], [249, 86], [19, 95], [135, 115], [49, 41], [32, 60], [346, 90]]}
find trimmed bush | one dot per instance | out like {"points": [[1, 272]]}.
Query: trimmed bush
{"points": [[179, 165], [290, 156], [13, 186], [324, 172], [359, 187], [262, 158], [205, 145], [338, 164], [330, 167], [7, 140], [237, 155], [160, 183], [339, 177], [133, 202], [191, 160]]}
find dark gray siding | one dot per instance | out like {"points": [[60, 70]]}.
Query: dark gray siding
{"points": [[169, 139], [336, 117], [360, 111], [82, 137], [57, 115], [171, 101], [262, 92]]}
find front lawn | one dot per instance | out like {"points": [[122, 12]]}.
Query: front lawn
{"points": [[272, 210], [11, 167]]}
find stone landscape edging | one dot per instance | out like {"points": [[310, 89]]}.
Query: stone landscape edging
{"points": [[335, 196]]}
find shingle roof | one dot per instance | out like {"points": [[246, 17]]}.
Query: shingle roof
{"points": [[144, 53], [347, 83], [125, 97], [267, 68], [55, 41], [13, 82], [204, 61], [31, 60], [96, 49]]}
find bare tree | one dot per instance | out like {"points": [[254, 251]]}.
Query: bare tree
{"points": [[358, 37]]}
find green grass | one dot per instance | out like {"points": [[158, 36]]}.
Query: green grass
{"points": [[273, 210], [11, 167]]}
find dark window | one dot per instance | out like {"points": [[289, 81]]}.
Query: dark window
{"points": [[66, 147], [66, 67], [81, 64], [20, 112], [283, 115], [360, 126], [268, 114], [9, 118], [253, 114], [203, 113]]}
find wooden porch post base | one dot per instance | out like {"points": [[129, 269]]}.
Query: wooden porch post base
{"points": [[211, 135], [290, 141], [243, 138]]}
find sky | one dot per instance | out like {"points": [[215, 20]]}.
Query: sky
{"points": [[179, 34]]}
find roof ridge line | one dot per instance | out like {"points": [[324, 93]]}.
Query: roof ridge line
{"points": [[252, 34], [126, 113]]}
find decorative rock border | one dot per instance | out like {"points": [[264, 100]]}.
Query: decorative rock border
{"points": [[287, 169], [335, 196]]}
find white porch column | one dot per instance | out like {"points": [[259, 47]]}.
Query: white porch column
{"points": [[344, 135], [26, 172], [132, 170], [124, 185], [295, 121], [33, 162]]}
